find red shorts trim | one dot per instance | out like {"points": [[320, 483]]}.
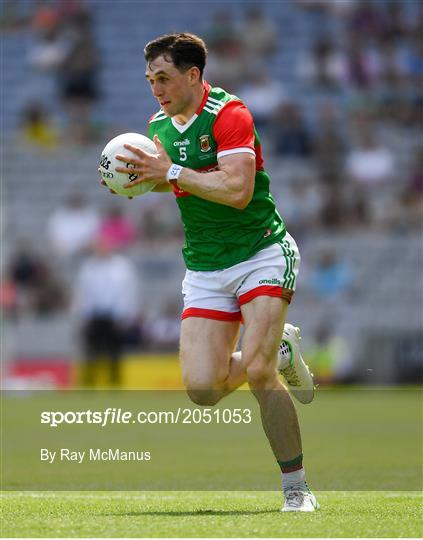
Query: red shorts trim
{"points": [[211, 314], [266, 290]]}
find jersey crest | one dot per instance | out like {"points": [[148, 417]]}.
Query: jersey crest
{"points": [[205, 142]]}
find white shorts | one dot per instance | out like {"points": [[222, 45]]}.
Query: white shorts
{"points": [[219, 294]]}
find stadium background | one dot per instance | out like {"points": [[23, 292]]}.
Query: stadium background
{"points": [[336, 90]]}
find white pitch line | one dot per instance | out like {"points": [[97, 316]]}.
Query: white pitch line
{"points": [[217, 495], [141, 496]]}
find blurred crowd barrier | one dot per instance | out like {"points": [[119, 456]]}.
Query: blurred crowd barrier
{"points": [[336, 91]]}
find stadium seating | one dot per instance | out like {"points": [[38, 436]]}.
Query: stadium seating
{"points": [[387, 295]]}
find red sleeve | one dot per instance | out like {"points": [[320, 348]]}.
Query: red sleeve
{"points": [[234, 128]]}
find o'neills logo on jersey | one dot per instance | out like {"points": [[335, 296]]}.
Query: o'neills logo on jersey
{"points": [[205, 143], [185, 142]]}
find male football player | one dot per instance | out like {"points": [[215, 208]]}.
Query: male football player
{"points": [[242, 264]]}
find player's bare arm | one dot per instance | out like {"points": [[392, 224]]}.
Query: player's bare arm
{"points": [[231, 185]]}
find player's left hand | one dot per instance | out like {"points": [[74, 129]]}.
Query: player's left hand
{"points": [[103, 183], [147, 166]]}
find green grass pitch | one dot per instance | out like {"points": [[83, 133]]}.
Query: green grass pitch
{"points": [[208, 514], [356, 440]]}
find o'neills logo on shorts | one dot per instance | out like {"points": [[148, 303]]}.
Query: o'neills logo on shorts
{"points": [[273, 281]]}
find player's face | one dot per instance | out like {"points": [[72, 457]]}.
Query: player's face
{"points": [[172, 89]]}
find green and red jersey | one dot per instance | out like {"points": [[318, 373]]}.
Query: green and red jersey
{"points": [[219, 236]]}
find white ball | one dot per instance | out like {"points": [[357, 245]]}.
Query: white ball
{"points": [[108, 163]]}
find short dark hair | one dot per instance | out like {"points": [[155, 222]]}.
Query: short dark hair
{"points": [[183, 49]]}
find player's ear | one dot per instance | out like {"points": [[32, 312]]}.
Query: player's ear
{"points": [[194, 74]]}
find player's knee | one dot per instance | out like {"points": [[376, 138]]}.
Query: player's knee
{"points": [[204, 389], [260, 374], [203, 396]]}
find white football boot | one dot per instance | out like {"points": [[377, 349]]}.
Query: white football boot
{"points": [[299, 500], [292, 366]]}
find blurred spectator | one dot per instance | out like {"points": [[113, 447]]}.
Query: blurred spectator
{"points": [[34, 285], [117, 229], [413, 59], [329, 145], [416, 176], [384, 66], [106, 307], [361, 64], [416, 22], [51, 45], [8, 298], [290, 133], [369, 163], [263, 96], [359, 210], [67, 9], [343, 208], [227, 64], [388, 63], [405, 213], [366, 20], [37, 128], [222, 28], [72, 227], [259, 35], [26, 267], [12, 16], [301, 209], [394, 21], [78, 76], [326, 66], [330, 277], [406, 210], [398, 72]]}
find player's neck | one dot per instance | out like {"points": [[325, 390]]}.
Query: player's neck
{"points": [[186, 115]]}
